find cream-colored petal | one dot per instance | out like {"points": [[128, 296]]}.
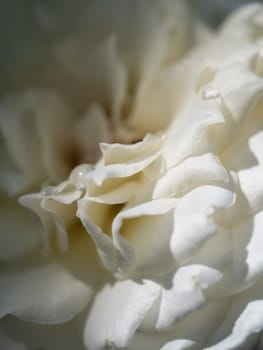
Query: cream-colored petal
{"points": [[242, 23], [184, 141], [242, 323], [89, 215], [55, 208], [179, 344], [148, 224], [193, 172], [121, 161], [185, 293], [194, 221], [117, 312], [45, 293]]}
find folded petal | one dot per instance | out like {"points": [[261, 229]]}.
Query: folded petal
{"points": [[186, 293], [193, 172], [149, 224], [184, 141], [194, 221]]}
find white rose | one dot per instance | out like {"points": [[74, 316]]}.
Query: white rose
{"points": [[175, 218]]}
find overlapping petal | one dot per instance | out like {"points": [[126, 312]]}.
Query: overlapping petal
{"points": [[174, 217]]}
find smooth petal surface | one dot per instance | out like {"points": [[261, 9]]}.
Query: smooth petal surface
{"points": [[54, 296], [9, 344], [18, 230], [65, 336], [25, 120], [117, 313], [185, 294], [242, 323], [126, 160], [193, 172], [149, 223], [193, 220], [183, 141], [55, 210], [180, 344], [97, 68]]}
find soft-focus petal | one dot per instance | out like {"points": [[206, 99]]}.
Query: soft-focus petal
{"points": [[40, 118], [18, 230], [8, 343], [54, 296], [65, 336]]}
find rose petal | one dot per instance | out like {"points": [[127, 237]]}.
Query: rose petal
{"points": [[34, 117], [186, 293], [89, 214], [54, 295], [240, 23], [54, 207], [180, 344], [89, 131], [18, 230], [196, 326], [193, 172], [239, 79], [63, 336], [117, 312], [183, 141], [193, 219], [242, 323], [126, 160], [9, 344], [146, 224], [247, 252], [250, 180], [97, 68]]}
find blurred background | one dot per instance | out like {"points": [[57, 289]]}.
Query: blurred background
{"points": [[30, 27]]}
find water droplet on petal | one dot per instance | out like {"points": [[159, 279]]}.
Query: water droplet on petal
{"points": [[210, 93], [48, 191], [78, 174]]}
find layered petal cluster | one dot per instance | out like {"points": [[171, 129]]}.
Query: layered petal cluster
{"points": [[166, 232], [93, 89]]}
